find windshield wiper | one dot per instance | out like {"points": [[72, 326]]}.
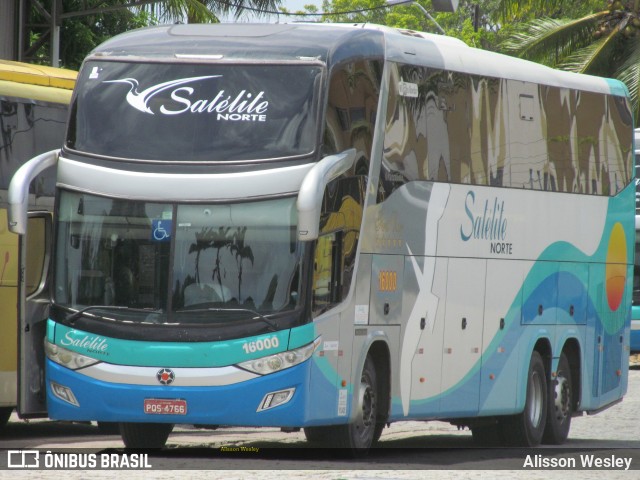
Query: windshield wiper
{"points": [[258, 315], [78, 313]]}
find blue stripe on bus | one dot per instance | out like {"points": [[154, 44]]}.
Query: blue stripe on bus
{"points": [[179, 354], [496, 396]]}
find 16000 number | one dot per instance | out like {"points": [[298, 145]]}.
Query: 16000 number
{"points": [[260, 345]]}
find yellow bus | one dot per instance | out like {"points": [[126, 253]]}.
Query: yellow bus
{"points": [[34, 102]]}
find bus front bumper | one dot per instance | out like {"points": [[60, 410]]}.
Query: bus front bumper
{"points": [[74, 396]]}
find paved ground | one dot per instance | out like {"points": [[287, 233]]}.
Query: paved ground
{"points": [[613, 429]]}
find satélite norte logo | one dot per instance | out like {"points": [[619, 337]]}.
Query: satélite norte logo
{"points": [[90, 343], [486, 223], [180, 98]]}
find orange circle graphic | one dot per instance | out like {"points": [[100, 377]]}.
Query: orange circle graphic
{"points": [[616, 270]]}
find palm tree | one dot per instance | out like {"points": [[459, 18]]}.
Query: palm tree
{"points": [[219, 240], [241, 251], [208, 11], [93, 22], [604, 43], [204, 240]]}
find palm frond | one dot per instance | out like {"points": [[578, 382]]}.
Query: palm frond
{"points": [[238, 7], [596, 57], [629, 73], [513, 8], [195, 10], [549, 41]]}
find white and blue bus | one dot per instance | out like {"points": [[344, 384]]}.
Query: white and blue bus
{"points": [[336, 227]]}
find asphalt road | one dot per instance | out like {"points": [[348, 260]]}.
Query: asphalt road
{"points": [[408, 450]]}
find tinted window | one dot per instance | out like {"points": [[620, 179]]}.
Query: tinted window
{"points": [[453, 127], [181, 112], [241, 257]]}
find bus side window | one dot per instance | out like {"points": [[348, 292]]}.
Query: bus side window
{"points": [[327, 272], [342, 210], [37, 250]]}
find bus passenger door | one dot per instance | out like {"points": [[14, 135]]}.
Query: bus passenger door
{"points": [[461, 348], [502, 312], [33, 307]]}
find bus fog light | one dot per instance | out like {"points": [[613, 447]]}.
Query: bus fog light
{"points": [[275, 399], [64, 393]]}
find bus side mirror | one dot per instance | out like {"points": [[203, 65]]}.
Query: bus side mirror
{"points": [[18, 194], [312, 190]]}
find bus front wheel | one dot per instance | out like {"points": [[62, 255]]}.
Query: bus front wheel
{"points": [[363, 430], [526, 429], [559, 405], [145, 435]]}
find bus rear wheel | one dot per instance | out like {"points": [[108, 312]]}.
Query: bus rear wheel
{"points": [[526, 428], [559, 405], [364, 430], [145, 435]]}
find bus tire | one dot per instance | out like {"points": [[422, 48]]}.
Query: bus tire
{"points": [[359, 434], [559, 405], [5, 414], [525, 429], [145, 435]]}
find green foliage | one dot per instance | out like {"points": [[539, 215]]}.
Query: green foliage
{"points": [[81, 34], [525, 10], [459, 24], [598, 37], [602, 41], [78, 36]]}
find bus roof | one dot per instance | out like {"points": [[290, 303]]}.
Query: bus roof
{"points": [[334, 43], [36, 82]]}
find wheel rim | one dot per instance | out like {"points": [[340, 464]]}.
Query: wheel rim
{"points": [[536, 399], [365, 423], [562, 397]]}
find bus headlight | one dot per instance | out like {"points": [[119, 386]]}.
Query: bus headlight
{"points": [[280, 361], [66, 357]]}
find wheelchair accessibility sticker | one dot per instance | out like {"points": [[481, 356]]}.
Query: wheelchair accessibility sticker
{"points": [[161, 230]]}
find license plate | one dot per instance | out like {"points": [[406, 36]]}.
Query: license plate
{"points": [[165, 406]]}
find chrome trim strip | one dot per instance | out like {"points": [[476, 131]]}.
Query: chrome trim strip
{"points": [[179, 187], [184, 377]]}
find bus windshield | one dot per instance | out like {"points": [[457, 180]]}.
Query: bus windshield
{"points": [[177, 263], [195, 113]]}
